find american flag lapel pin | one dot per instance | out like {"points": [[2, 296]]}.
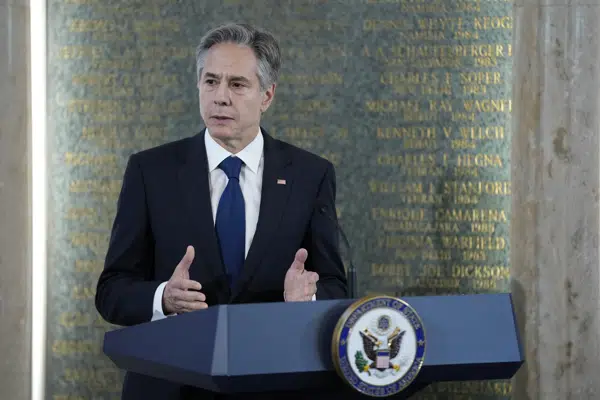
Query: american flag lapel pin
{"points": [[281, 181]]}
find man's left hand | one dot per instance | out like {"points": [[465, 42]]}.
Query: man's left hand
{"points": [[300, 284]]}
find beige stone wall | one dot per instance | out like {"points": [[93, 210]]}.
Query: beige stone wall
{"points": [[15, 279], [555, 180]]}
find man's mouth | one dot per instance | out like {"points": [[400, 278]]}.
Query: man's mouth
{"points": [[221, 117]]}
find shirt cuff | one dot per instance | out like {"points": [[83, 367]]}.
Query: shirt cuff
{"points": [[157, 309]]}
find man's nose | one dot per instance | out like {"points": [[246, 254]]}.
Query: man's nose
{"points": [[222, 95]]}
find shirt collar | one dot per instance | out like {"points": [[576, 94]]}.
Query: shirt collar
{"points": [[250, 155]]}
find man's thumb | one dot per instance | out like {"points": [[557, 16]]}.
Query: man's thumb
{"points": [[186, 261], [300, 259]]}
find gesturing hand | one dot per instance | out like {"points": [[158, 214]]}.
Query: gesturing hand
{"points": [[300, 284], [182, 294]]}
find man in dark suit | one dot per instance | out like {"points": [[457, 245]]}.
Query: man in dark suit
{"points": [[230, 215]]}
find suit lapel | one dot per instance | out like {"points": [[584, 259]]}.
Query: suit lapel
{"points": [[276, 187], [195, 191]]}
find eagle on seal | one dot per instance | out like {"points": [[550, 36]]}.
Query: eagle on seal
{"points": [[381, 354]]}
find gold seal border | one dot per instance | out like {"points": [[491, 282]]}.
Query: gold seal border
{"points": [[335, 341]]}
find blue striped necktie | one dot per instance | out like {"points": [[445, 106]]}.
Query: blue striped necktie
{"points": [[231, 220]]}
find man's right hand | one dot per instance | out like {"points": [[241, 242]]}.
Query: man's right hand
{"points": [[182, 294]]}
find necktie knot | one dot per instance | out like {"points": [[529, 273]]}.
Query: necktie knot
{"points": [[231, 166]]}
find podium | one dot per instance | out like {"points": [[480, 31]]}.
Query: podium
{"points": [[287, 347]]}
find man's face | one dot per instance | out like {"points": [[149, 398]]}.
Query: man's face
{"points": [[231, 100]]}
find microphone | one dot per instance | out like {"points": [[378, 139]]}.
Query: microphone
{"points": [[351, 273]]}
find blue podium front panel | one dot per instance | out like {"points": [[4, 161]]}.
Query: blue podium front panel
{"points": [[287, 346]]}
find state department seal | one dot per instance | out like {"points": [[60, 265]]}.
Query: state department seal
{"points": [[379, 345]]}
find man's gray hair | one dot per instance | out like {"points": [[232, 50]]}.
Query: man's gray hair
{"points": [[263, 44]]}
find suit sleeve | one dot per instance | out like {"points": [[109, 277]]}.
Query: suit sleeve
{"points": [[125, 290], [322, 242]]}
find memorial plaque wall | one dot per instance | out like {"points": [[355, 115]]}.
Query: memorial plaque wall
{"points": [[410, 100]]}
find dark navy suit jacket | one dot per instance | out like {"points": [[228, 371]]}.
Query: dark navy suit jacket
{"points": [[164, 206]]}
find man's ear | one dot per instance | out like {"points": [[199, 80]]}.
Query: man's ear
{"points": [[268, 96]]}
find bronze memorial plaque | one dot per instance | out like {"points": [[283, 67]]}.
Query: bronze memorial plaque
{"points": [[409, 99]]}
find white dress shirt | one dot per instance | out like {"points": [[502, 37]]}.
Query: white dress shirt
{"points": [[251, 176]]}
